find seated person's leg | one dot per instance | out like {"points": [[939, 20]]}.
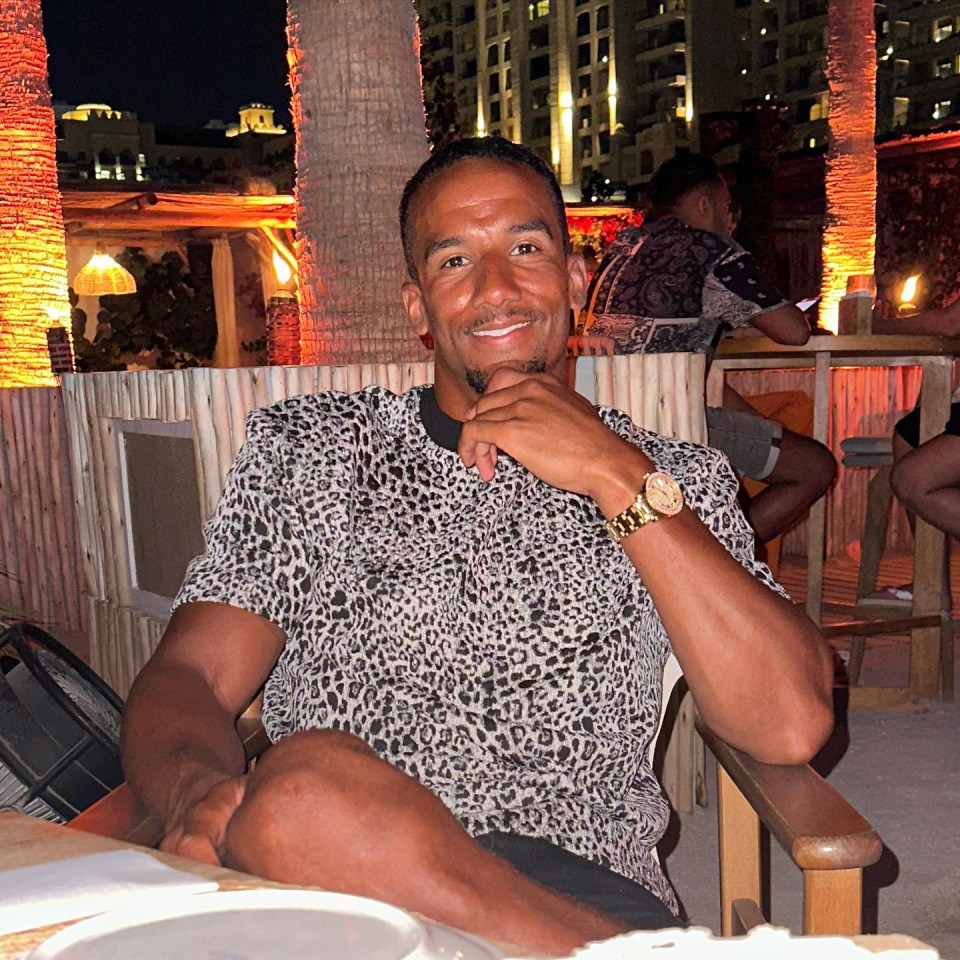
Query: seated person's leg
{"points": [[583, 880], [797, 470], [927, 479], [323, 810]]}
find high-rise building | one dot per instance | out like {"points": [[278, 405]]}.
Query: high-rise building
{"points": [[618, 86], [780, 48], [918, 48], [546, 73]]}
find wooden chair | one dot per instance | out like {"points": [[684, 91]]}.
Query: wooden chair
{"points": [[825, 836]]}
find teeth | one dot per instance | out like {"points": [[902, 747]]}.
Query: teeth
{"points": [[502, 332]]}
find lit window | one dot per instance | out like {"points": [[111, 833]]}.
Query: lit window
{"points": [[942, 29], [812, 142], [901, 111], [603, 49], [942, 110], [944, 68], [537, 9]]}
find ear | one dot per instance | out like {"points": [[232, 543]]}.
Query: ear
{"points": [[412, 298], [577, 280]]}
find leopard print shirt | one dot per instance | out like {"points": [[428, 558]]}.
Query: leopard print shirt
{"points": [[489, 639]]}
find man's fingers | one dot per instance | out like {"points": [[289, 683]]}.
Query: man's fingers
{"points": [[202, 832], [483, 456]]}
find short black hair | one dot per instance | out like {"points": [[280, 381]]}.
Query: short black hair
{"points": [[477, 148], [678, 176]]}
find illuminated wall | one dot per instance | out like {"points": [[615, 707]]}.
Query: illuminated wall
{"points": [[33, 259], [849, 237]]}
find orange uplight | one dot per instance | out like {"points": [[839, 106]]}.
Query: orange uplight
{"points": [[33, 258], [281, 269], [849, 237]]}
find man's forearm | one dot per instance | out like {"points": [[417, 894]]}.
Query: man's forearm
{"points": [[757, 666], [177, 740], [938, 322]]}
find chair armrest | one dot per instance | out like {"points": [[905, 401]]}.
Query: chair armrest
{"points": [[121, 816], [816, 826]]}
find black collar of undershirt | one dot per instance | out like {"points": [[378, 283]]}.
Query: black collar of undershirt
{"points": [[441, 429]]}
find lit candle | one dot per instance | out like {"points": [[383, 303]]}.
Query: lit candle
{"points": [[908, 295]]}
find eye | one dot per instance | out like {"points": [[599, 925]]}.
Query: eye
{"points": [[525, 247], [457, 260]]}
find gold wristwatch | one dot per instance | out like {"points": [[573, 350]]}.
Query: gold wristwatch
{"points": [[660, 496]]}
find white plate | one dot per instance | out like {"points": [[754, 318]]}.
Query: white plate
{"points": [[262, 925]]}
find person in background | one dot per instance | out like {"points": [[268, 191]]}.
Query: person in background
{"points": [[674, 284], [925, 476]]}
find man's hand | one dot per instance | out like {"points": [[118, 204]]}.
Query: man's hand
{"points": [[555, 433], [584, 345], [199, 833]]}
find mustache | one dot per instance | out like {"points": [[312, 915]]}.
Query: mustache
{"points": [[491, 318]]}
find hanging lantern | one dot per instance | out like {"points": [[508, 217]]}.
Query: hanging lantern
{"points": [[102, 275]]}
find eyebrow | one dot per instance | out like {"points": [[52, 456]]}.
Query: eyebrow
{"points": [[535, 225], [538, 225]]}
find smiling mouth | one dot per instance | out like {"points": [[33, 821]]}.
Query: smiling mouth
{"points": [[501, 331]]}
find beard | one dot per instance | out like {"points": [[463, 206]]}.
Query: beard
{"points": [[479, 380]]}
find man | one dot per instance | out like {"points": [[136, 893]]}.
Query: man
{"points": [[672, 284], [464, 666]]}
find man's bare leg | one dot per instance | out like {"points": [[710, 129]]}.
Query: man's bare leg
{"points": [[927, 481], [323, 810], [803, 473]]}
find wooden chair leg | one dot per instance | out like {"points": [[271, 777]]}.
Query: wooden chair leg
{"points": [[946, 630], [858, 647], [946, 656], [879, 497], [739, 851], [832, 902]]}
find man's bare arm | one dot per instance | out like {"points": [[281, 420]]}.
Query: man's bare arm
{"points": [[938, 322], [179, 740], [784, 324], [758, 667]]}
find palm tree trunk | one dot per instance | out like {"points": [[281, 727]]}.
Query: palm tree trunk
{"points": [[850, 234], [358, 114], [33, 256]]}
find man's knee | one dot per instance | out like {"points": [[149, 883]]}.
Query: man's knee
{"points": [[322, 808], [805, 461]]}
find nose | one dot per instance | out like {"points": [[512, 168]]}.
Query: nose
{"points": [[495, 283]]}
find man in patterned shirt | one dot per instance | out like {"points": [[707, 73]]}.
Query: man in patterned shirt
{"points": [[463, 668], [674, 283]]}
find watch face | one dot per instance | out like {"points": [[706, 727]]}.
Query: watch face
{"points": [[663, 494]]}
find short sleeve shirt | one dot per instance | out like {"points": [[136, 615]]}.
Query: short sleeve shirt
{"points": [[490, 639], [666, 287]]}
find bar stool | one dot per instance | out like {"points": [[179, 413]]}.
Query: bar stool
{"points": [[873, 616]]}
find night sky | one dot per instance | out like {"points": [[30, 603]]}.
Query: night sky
{"points": [[173, 62]]}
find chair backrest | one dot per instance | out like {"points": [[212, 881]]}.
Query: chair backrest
{"points": [[672, 672]]}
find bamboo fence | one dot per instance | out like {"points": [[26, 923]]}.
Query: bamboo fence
{"points": [[64, 551], [40, 556]]}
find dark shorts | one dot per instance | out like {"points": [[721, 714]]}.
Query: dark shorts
{"points": [[909, 426], [582, 880]]}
